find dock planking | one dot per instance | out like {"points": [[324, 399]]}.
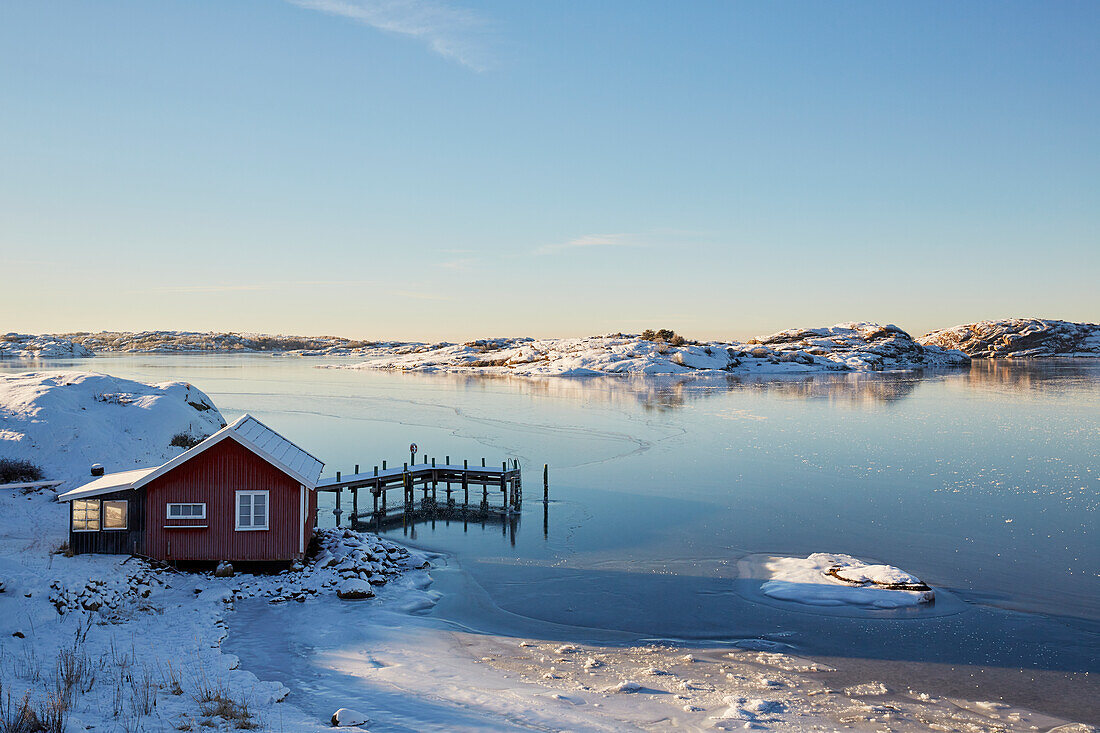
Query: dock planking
{"points": [[429, 489]]}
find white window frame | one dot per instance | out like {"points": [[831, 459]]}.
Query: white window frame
{"points": [[252, 510], [169, 505], [98, 514], [125, 515]]}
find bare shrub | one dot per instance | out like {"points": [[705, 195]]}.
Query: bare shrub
{"points": [[186, 440], [17, 717], [143, 693], [18, 470]]}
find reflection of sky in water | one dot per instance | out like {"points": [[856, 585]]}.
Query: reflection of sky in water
{"points": [[982, 480]]}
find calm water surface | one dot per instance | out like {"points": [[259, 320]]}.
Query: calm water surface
{"points": [[982, 482]]}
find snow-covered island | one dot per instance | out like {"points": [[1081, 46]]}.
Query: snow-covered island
{"points": [[843, 347], [186, 342], [1019, 338], [26, 346]]}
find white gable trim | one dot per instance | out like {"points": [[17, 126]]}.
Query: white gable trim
{"points": [[229, 431]]}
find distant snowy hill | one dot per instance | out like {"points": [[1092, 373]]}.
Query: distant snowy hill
{"points": [[66, 421], [844, 347], [1019, 338], [26, 346]]}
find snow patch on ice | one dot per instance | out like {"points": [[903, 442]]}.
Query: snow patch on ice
{"points": [[825, 579]]}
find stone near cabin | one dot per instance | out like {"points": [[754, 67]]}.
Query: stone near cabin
{"points": [[224, 570], [354, 589], [346, 717]]}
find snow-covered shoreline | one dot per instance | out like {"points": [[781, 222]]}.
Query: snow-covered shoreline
{"points": [[844, 347]]}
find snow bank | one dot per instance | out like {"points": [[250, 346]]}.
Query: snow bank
{"points": [[845, 347], [825, 579], [66, 421], [1019, 338], [26, 346]]}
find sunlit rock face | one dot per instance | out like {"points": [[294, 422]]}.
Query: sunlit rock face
{"points": [[1019, 338], [862, 346]]}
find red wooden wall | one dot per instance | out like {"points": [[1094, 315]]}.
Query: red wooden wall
{"points": [[214, 476]]}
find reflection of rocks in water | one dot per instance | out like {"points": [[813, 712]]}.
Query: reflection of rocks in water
{"points": [[662, 393], [852, 388], [1022, 375]]}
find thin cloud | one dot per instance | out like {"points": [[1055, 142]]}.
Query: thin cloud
{"points": [[461, 264], [589, 241], [452, 32], [257, 287]]}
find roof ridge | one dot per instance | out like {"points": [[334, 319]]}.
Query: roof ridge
{"points": [[242, 418]]}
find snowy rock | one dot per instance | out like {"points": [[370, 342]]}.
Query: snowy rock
{"points": [[1019, 338], [825, 579], [626, 686], [224, 570], [354, 589], [346, 717], [24, 346]]}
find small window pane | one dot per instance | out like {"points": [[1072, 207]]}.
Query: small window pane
{"points": [[259, 510], [244, 513], [175, 510], [114, 514]]}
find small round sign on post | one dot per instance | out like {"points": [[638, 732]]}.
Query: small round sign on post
{"points": [[412, 453]]}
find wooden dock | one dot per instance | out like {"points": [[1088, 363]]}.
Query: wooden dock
{"points": [[428, 490]]}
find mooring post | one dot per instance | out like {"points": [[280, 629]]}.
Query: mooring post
{"points": [[376, 470], [355, 506], [504, 483], [465, 492], [337, 511], [383, 465], [545, 482], [356, 469], [483, 462], [374, 493]]}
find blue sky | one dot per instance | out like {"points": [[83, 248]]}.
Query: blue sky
{"points": [[429, 170]]}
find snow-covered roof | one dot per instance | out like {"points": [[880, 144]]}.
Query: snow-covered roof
{"points": [[246, 430], [107, 483]]}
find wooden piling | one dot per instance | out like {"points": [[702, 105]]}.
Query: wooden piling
{"points": [[546, 482]]}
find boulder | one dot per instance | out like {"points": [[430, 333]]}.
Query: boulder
{"points": [[224, 570], [346, 717], [354, 589]]}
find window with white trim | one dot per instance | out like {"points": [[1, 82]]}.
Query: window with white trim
{"points": [[85, 515], [186, 511], [115, 512], [251, 510]]}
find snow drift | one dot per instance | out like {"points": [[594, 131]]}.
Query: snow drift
{"points": [[66, 421]]}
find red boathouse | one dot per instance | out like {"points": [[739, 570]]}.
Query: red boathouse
{"points": [[244, 494]]}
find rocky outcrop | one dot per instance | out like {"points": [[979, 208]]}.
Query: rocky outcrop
{"points": [[863, 347], [26, 346], [1019, 338], [844, 347]]}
